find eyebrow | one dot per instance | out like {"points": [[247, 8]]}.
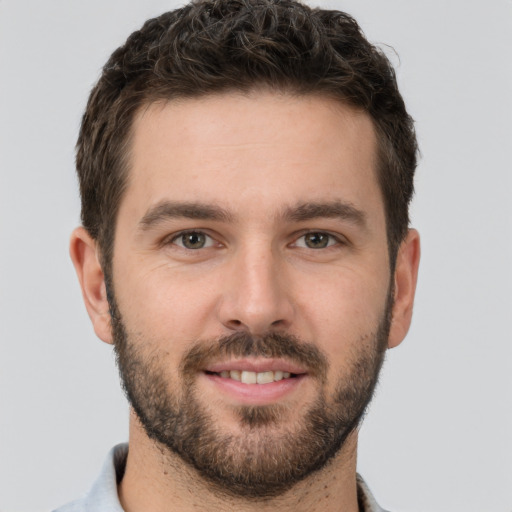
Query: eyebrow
{"points": [[335, 209], [302, 212], [188, 210]]}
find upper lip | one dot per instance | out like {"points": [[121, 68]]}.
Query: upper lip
{"points": [[257, 365]]}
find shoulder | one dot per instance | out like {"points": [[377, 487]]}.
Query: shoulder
{"points": [[74, 506], [102, 497]]}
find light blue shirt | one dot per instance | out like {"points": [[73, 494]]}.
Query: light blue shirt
{"points": [[103, 497]]}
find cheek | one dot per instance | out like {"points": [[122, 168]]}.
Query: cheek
{"points": [[346, 314], [170, 312]]}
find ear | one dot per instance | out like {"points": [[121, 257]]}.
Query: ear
{"points": [[406, 275], [84, 254]]}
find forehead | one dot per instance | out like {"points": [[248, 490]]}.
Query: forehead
{"points": [[263, 148]]}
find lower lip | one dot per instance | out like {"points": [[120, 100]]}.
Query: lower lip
{"points": [[255, 394]]}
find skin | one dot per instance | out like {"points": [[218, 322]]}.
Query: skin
{"points": [[258, 157]]}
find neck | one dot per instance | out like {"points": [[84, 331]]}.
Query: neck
{"points": [[156, 481]]}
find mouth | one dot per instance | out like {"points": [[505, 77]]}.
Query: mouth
{"points": [[248, 377], [255, 381]]}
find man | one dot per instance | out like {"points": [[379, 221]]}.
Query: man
{"points": [[245, 168]]}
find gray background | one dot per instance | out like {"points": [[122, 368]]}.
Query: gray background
{"points": [[438, 435]]}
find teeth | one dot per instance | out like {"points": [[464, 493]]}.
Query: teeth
{"points": [[255, 378], [264, 377], [248, 377]]}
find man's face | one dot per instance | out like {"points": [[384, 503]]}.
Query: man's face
{"points": [[252, 284]]}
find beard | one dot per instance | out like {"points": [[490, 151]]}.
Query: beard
{"points": [[269, 454]]}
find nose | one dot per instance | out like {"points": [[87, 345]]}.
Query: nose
{"points": [[255, 296]]}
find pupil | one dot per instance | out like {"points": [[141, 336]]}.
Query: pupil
{"points": [[316, 240], [193, 240]]}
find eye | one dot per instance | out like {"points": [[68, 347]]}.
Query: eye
{"points": [[193, 240], [316, 240]]}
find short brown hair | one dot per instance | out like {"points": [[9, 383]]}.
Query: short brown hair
{"points": [[212, 46]]}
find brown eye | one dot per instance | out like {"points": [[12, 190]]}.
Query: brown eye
{"points": [[317, 240]]}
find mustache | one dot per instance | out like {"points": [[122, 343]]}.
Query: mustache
{"points": [[243, 344]]}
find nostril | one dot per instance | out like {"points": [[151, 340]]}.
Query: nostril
{"points": [[234, 324]]}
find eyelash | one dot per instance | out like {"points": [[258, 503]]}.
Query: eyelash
{"points": [[333, 240], [209, 239]]}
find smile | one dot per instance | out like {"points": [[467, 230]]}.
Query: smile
{"points": [[248, 377], [255, 381]]}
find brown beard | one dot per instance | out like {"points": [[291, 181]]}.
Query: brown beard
{"points": [[263, 461]]}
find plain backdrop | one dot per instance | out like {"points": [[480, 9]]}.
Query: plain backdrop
{"points": [[438, 434]]}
